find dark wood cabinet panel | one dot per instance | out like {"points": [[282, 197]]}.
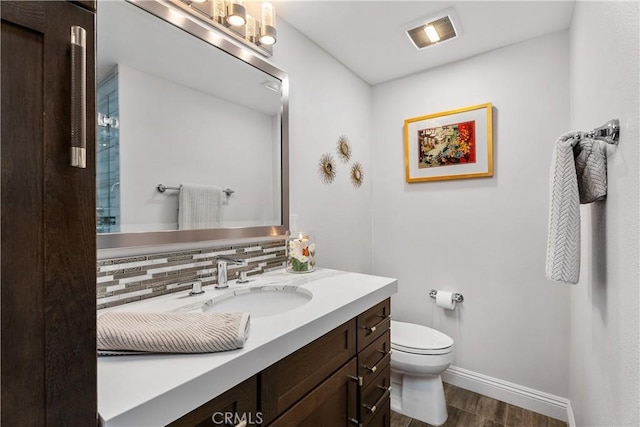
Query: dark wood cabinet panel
{"points": [[286, 381], [228, 409], [48, 222], [22, 329], [333, 403], [87, 4]]}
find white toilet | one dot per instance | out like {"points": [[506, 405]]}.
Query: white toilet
{"points": [[419, 355]]}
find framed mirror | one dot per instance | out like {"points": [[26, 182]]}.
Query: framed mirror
{"points": [[179, 106]]}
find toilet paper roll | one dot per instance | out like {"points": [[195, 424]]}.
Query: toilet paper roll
{"points": [[445, 300]]}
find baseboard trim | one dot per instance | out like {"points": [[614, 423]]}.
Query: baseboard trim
{"points": [[571, 421], [514, 394]]}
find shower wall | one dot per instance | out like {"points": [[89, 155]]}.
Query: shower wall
{"points": [[108, 157]]}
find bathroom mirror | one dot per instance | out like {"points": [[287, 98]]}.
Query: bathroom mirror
{"points": [[179, 104]]}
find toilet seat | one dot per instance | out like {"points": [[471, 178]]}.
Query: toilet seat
{"points": [[418, 339]]}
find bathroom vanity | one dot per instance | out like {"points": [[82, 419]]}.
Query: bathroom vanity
{"points": [[323, 363]]}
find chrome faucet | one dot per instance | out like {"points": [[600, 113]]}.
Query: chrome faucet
{"points": [[221, 264]]}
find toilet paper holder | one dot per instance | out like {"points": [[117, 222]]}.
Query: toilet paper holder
{"points": [[457, 297]]}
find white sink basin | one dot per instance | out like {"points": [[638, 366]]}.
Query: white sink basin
{"points": [[260, 301]]}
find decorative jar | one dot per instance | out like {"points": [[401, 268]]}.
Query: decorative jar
{"points": [[301, 253]]}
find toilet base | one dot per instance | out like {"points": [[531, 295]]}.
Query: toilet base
{"points": [[421, 398]]}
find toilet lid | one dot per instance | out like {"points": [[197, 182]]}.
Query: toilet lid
{"points": [[419, 339]]}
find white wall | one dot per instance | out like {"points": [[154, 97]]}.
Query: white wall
{"points": [[326, 101], [604, 359], [171, 134], [483, 237]]}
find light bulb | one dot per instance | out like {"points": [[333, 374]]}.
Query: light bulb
{"points": [[432, 33], [237, 14]]}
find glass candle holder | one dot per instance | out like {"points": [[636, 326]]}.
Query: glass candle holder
{"points": [[301, 253]]}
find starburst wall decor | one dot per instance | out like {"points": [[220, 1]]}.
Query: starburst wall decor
{"points": [[327, 168], [357, 174], [344, 149]]}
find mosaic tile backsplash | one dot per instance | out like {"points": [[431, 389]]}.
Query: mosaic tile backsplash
{"points": [[123, 280]]}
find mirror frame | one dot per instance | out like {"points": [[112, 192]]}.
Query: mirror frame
{"points": [[190, 25]]}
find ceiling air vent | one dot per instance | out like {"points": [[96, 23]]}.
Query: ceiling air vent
{"points": [[434, 30]]}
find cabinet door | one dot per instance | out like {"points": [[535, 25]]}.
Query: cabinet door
{"points": [[48, 222], [333, 403], [232, 408], [286, 381]]}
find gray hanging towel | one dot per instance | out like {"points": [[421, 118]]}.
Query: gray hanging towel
{"points": [[578, 175]]}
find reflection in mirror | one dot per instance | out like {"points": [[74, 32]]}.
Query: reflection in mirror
{"points": [[177, 111]]}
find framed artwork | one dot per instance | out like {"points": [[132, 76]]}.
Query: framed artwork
{"points": [[453, 144]]}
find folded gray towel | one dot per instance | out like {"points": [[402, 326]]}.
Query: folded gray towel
{"points": [[139, 333]]}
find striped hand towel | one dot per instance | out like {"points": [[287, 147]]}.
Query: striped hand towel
{"points": [[199, 207], [136, 333]]}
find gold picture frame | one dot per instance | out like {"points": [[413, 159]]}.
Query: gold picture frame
{"points": [[455, 144]]}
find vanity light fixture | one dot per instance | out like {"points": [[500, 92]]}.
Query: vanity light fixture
{"points": [[233, 18], [435, 29]]}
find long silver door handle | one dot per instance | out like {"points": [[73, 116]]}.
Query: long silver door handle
{"points": [[78, 97]]}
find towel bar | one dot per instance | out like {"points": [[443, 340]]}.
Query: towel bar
{"points": [[162, 188], [608, 132]]}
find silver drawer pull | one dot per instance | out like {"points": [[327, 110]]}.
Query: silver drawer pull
{"points": [[377, 325], [372, 409], [78, 97], [375, 367]]}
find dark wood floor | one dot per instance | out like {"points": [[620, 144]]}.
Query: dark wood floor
{"points": [[469, 409]]}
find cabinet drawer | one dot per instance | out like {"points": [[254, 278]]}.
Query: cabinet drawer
{"points": [[236, 404], [382, 418], [374, 358], [376, 395], [286, 381], [373, 323], [333, 403]]}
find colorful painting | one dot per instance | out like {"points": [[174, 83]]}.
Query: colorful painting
{"points": [[454, 144], [447, 145]]}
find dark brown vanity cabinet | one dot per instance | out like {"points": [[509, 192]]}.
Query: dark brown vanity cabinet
{"points": [[48, 217], [340, 379]]}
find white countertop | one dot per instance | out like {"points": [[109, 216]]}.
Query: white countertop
{"points": [[153, 390]]}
